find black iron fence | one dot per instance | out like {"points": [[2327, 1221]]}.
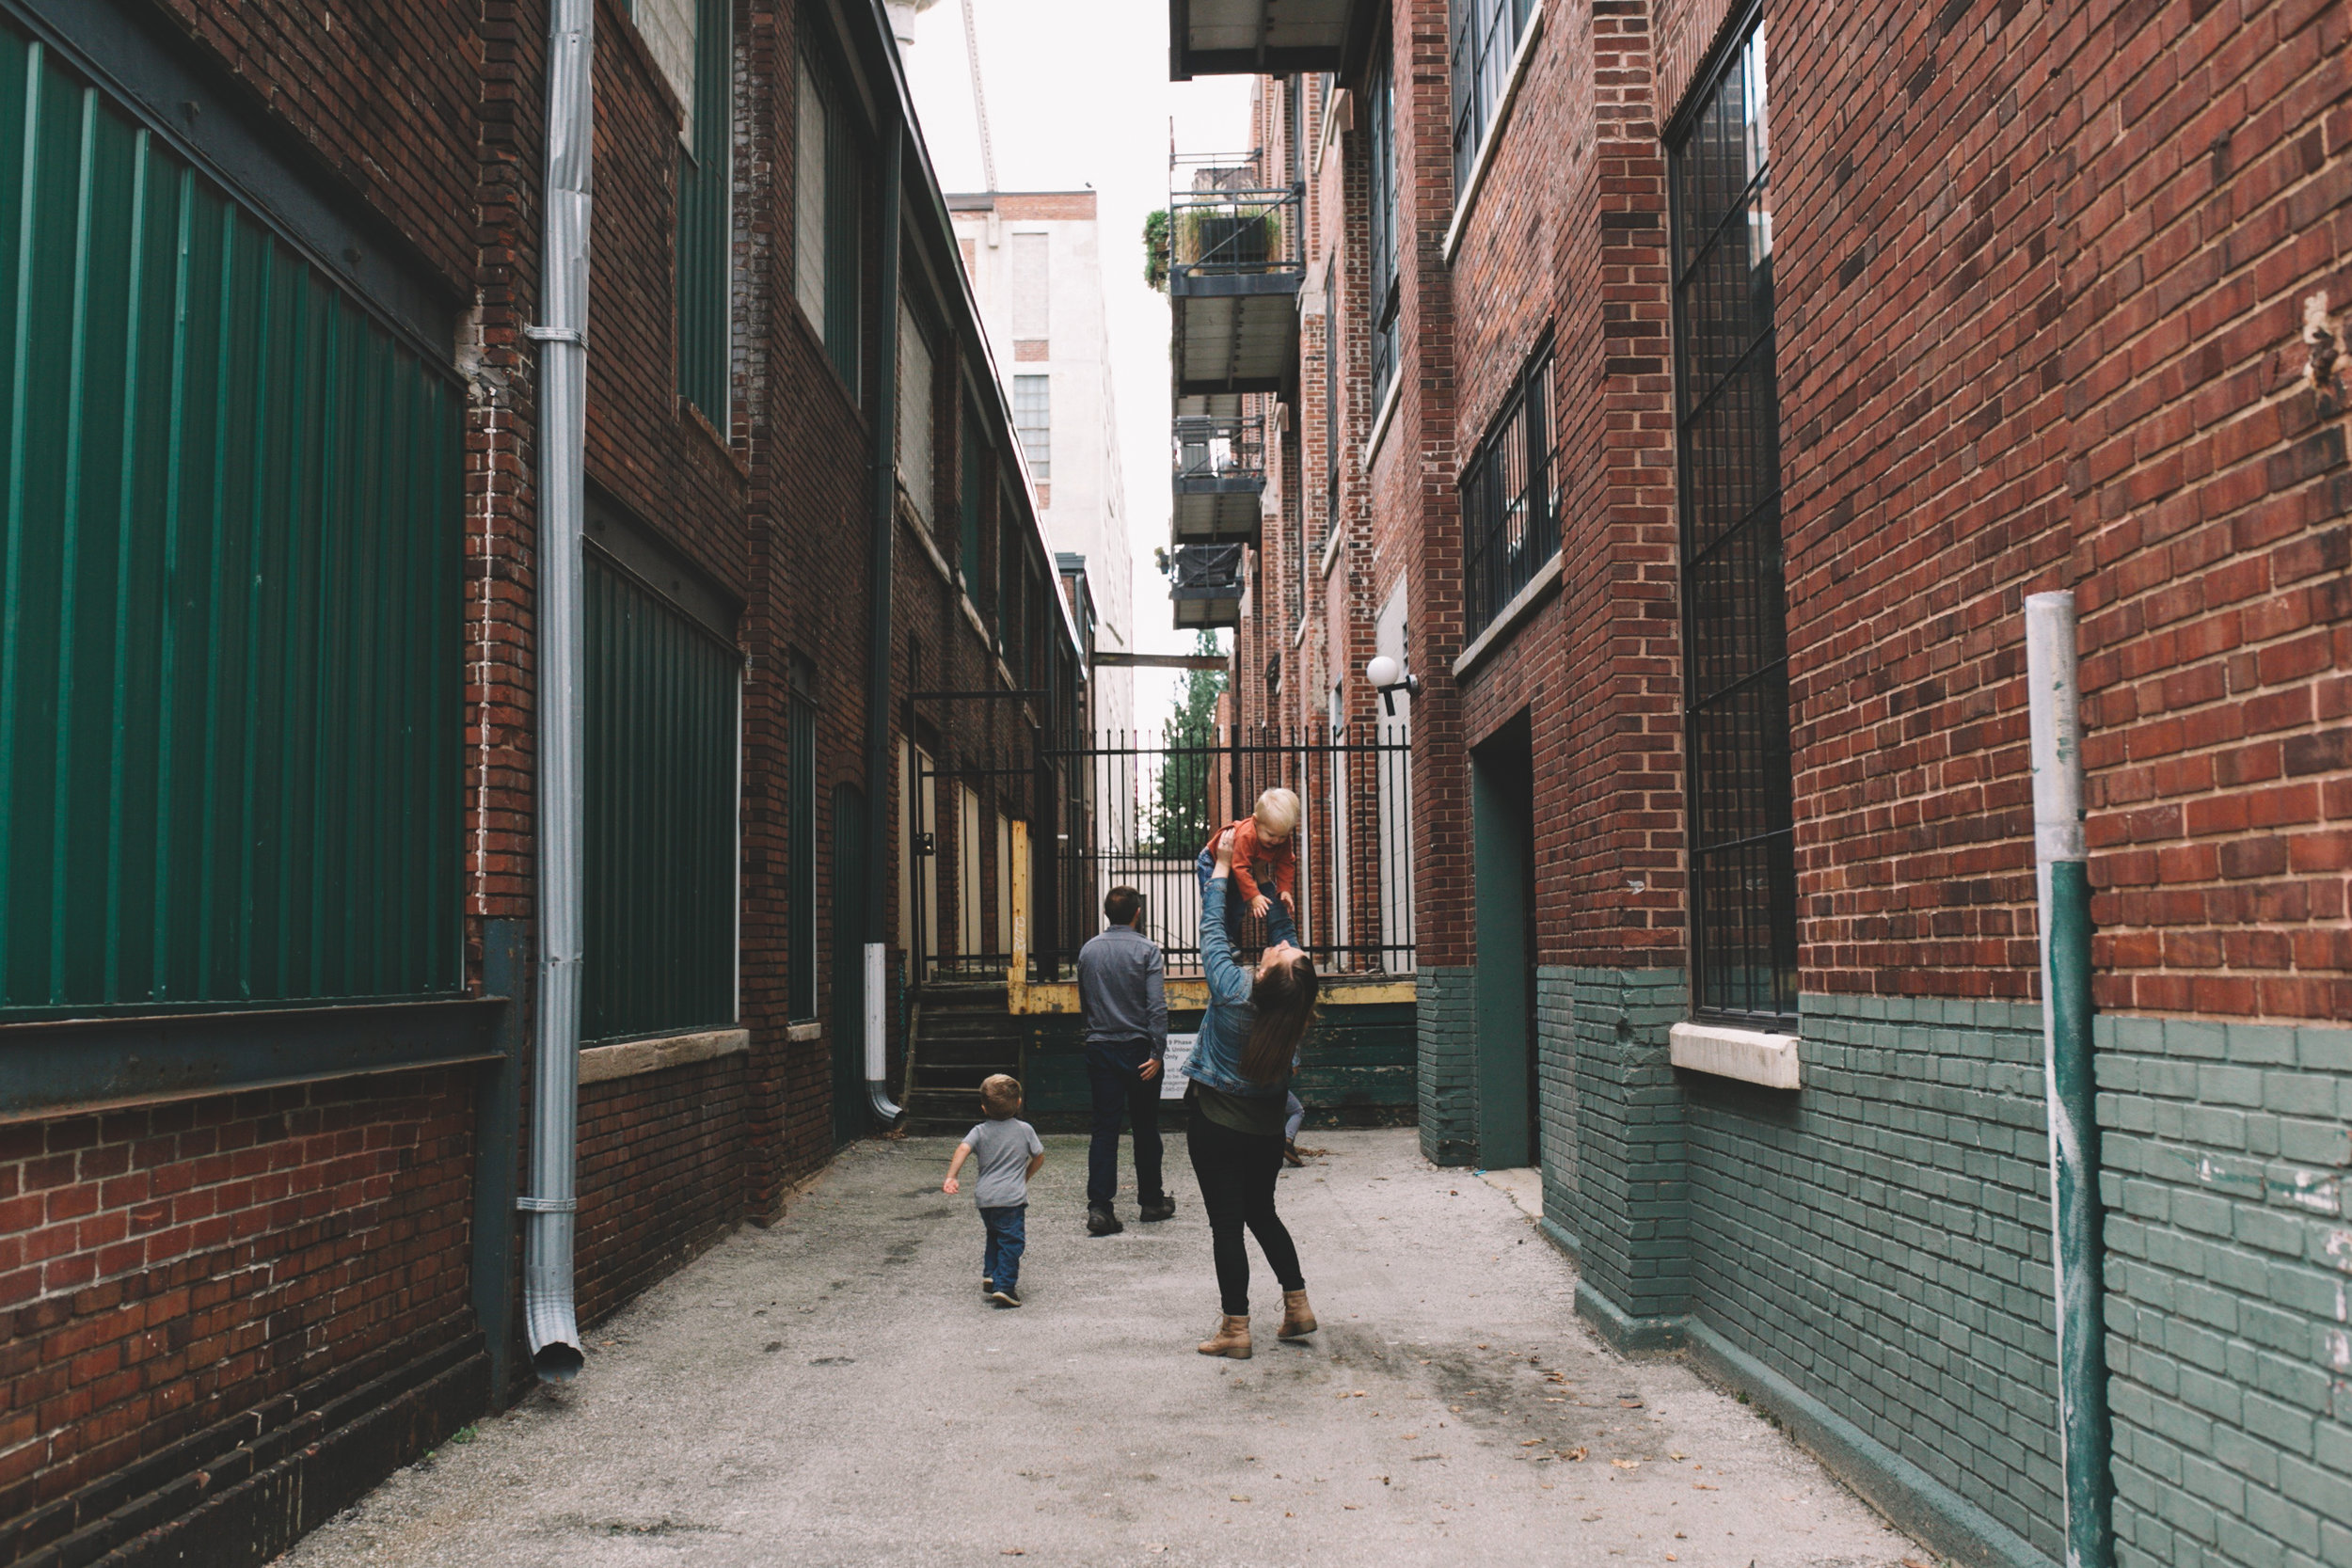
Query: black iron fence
{"points": [[1031, 837], [1153, 806], [1225, 221]]}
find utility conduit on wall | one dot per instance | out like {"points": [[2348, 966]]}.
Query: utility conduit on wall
{"points": [[2062, 881]]}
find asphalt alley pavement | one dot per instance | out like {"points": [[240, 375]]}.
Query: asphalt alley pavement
{"points": [[832, 1391]]}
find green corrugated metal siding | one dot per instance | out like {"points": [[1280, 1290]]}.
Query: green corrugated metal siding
{"points": [[706, 177], [659, 954], [228, 684]]}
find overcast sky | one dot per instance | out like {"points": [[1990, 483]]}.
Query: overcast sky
{"points": [[1078, 96]]}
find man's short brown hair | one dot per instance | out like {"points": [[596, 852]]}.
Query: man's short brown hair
{"points": [[1121, 905], [1000, 1095]]}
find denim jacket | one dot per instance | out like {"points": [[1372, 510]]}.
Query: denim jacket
{"points": [[1217, 1053]]}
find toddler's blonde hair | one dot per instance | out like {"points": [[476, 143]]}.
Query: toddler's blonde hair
{"points": [[1278, 811], [1000, 1095]]}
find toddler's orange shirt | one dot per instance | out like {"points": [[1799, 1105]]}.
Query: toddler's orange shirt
{"points": [[1253, 860]]}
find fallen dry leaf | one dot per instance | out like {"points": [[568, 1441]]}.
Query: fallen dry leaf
{"points": [[1575, 1453], [1673, 1456], [1627, 1463], [1531, 1443], [1701, 1486]]}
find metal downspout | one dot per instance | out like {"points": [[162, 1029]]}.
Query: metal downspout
{"points": [[886, 478], [549, 1314], [2062, 881]]}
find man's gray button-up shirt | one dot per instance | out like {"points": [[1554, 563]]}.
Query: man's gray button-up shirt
{"points": [[1122, 990]]}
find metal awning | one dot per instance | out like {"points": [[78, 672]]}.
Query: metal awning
{"points": [[1247, 38]]}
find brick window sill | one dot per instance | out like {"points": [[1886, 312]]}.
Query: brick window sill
{"points": [[1750, 1055], [1507, 619]]}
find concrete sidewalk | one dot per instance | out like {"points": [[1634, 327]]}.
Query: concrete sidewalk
{"points": [[833, 1391]]}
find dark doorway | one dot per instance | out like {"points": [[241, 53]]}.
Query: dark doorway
{"points": [[849, 964], [1502, 865]]}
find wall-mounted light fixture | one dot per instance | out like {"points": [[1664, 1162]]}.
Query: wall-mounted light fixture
{"points": [[1387, 677]]}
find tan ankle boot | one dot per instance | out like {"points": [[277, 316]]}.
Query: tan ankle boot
{"points": [[1231, 1338], [1298, 1319]]}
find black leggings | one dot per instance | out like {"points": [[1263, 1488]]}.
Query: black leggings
{"points": [[1238, 1171]]}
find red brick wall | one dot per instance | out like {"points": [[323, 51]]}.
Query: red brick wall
{"points": [[661, 1175], [163, 1268], [2068, 254]]}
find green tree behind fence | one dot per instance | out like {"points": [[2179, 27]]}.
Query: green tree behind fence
{"points": [[1176, 824]]}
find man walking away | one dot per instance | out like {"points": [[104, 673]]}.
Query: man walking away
{"points": [[1122, 988]]}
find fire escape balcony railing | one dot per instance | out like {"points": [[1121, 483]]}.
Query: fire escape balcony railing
{"points": [[1220, 479], [1236, 259], [1205, 585]]}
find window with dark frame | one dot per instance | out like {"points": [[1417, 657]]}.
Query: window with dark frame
{"points": [[1484, 35], [1509, 528], [1743, 885], [918, 397], [1380, 101], [828, 175], [801, 843], [973, 475]]}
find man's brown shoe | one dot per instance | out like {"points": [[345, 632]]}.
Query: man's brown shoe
{"points": [[1298, 1319], [1231, 1338]]}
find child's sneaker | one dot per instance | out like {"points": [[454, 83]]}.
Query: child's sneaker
{"points": [[1004, 1298]]}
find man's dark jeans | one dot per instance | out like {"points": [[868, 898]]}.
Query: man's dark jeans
{"points": [[1122, 1094]]}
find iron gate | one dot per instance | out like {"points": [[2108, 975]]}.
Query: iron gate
{"points": [[1153, 805], [1039, 834]]}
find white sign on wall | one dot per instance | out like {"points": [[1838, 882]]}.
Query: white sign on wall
{"points": [[1173, 1079]]}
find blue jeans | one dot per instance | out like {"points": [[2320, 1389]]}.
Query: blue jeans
{"points": [[1279, 924], [1121, 1093], [1008, 1237]]}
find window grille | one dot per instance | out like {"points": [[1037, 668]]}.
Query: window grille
{"points": [[1033, 421], [1744, 909], [801, 850], [1484, 36], [1380, 98], [705, 181], [1508, 525]]}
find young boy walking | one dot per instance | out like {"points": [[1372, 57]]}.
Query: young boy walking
{"points": [[1005, 1152], [1264, 851]]}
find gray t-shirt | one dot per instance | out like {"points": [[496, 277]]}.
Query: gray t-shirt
{"points": [[1000, 1162]]}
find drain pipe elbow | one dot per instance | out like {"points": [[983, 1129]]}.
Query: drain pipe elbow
{"points": [[549, 1316], [878, 1098]]}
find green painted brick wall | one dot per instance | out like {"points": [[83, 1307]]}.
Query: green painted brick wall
{"points": [[1629, 1205], [1446, 1058], [2225, 1150], [1356, 1068], [1881, 1237], [1556, 1083]]}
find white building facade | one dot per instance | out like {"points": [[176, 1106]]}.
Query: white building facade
{"points": [[1035, 268]]}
